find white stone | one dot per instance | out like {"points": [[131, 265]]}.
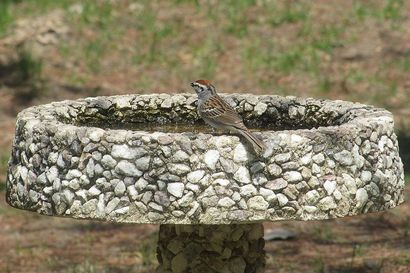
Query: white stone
{"points": [[350, 183], [282, 158], [74, 184], [186, 200], [126, 152], [240, 154], [366, 176], [327, 203], [337, 194], [292, 176], [180, 156], [143, 163], [155, 206], [52, 174], [260, 108], [96, 134], [178, 168], [176, 189], [295, 140], [248, 190], [210, 158], [310, 209], [361, 197], [274, 170], [119, 189], [306, 159], [226, 202], [108, 162], [221, 182], [257, 203], [269, 195], [242, 175], [319, 159], [127, 168], [112, 205], [282, 199], [195, 176], [316, 168], [90, 206], [329, 186], [277, 184], [344, 157], [312, 197], [132, 192], [121, 211], [259, 179], [94, 191], [141, 184]]}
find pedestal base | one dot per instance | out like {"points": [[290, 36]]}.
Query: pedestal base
{"points": [[211, 248]]}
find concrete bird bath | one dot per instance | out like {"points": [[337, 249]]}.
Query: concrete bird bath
{"points": [[143, 159]]}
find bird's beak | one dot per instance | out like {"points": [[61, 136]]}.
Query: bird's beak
{"points": [[192, 84]]}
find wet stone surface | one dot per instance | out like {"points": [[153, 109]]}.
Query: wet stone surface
{"points": [[325, 159]]}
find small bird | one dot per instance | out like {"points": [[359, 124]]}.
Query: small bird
{"points": [[216, 112]]}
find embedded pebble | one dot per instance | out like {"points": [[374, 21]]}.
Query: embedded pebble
{"points": [[258, 203], [127, 168], [210, 158], [292, 176], [176, 189], [242, 175]]}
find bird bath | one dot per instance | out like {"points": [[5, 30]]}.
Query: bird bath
{"points": [[147, 159]]}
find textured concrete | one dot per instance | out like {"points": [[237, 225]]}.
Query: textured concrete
{"points": [[325, 159]]}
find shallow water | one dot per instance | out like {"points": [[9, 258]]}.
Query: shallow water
{"points": [[169, 127]]}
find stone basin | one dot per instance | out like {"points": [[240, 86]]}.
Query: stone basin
{"points": [[106, 158]]}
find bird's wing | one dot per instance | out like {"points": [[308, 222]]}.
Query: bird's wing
{"points": [[215, 108]]}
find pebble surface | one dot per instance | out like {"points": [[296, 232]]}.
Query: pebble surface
{"points": [[347, 163]]}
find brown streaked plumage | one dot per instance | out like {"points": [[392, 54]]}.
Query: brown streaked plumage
{"points": [[218, 113]]}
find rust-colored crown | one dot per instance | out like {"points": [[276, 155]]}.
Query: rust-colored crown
{"points": [[204, 82]]}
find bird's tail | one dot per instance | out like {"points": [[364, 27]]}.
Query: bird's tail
{"points": [[257, 144]]}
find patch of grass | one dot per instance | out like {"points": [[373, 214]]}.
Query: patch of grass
{"points": [[328, 38], [29, 68], [407, 179], [6, 17], [85, 267], [324, 233], [393, 9], [319, 265], [355, 76], [205, 58], [235, 12], [149, 46], [324, 84], [360, 10], [147, 251], [405, 63], [3, 170], [93, 52], [287, 61], [289, 13]]}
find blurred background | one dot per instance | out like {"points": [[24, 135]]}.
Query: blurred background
{"points": [[351, 50]]}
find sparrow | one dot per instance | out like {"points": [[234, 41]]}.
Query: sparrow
{"points": [[216, 112]]}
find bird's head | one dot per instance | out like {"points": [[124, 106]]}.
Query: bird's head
{"points": [[203, 88]]}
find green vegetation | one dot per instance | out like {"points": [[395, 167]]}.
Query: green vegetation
{"points": [[3, 170], [28, 67], [393, 9], [6, 17], [85, 267]]}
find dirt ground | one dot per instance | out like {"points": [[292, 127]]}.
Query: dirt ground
{"points": [[351, 50]]}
